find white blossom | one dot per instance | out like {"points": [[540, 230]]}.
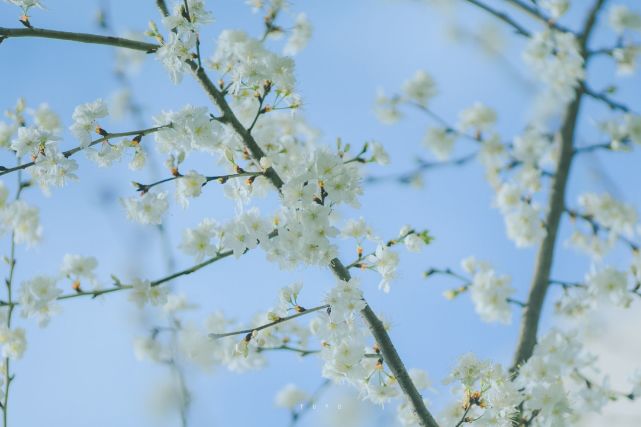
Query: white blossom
{"points": [[13, 341], [197, 241], [53, 169], [379, 154], [85, 118], [478, 117], [38, 298], [32, 141], [147, 208], [489, 291], [622, 18], [524, 225], [142, 292], [45, 118], [556, 60], [626, 58], [300, 35], [610, 284], [23, 220], [420, 89], [245, 232], [386, 108], [6, 132], [198, 15], [191, 129], [440, 141], [290, 397], [357, 229], [249, 63], [78, 267], [189, 185], [174, 53], [385, 262], [25, 5], [616, 216]]}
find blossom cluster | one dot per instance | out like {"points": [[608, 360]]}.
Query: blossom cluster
{"points": [[489, 291]]}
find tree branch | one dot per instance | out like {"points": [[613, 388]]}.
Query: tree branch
{"points": [[556, 204], [69, 153], [537, 14], [518, 28], [78, 37], [423, 165], [157, 282], [612, 104], [222, 178], [250, 331]]}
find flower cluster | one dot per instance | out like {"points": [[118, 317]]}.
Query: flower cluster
{"points": [[147, 208], [301, 33], [489, 395], [37, 298], [557, 61], [549, 376], [250, 64], [489, 291], [602, 212], [176, 52], [40, 142], [344, 345]]}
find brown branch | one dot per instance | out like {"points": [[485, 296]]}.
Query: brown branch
{"points": [[78, 37], [556, 204]]}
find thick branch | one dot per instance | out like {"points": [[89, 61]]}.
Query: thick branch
{"points": [[556, 204], [78, 37]]}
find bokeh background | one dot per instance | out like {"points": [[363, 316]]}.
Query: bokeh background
{"points": [[81, 369]]}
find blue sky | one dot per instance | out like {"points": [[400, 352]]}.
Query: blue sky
{"points": [[81, 371]]}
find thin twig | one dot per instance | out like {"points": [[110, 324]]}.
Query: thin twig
{"points": [[423, 166], [518, 28], [612, 104], [539, 15], [8, 378], [270, 324], [71, 152], [222, 178]]}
